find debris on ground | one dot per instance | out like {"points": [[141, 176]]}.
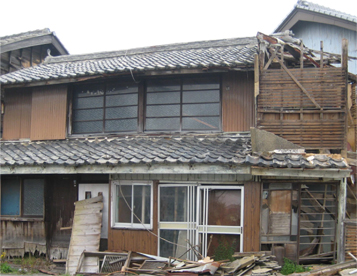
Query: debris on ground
{"points": [[140, 263]]}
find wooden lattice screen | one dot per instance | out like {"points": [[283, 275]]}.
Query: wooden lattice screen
{"points": [[305, 106]]}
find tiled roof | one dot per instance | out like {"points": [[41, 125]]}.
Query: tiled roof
{"points": [[4, 40], [302, 4], [228, 53], [218, 149]]}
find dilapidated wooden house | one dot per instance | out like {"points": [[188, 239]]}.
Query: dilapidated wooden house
{"points": [[174, 138]]}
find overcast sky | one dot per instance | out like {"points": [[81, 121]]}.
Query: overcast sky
{"points": [[108, 25]]}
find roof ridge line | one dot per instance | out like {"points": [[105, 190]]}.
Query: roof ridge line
{"points": [[149, 49]]}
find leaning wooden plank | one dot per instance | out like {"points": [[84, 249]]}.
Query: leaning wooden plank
{"points": [[127, 262], [85, 236]]}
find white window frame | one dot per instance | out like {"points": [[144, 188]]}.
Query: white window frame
{"points": [[131, 225]]}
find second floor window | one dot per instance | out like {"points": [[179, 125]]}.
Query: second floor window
{"points": [[162, 105], [105, 108], [185, 104]]}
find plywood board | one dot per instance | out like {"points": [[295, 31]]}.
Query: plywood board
{"points": [[85, 235]]}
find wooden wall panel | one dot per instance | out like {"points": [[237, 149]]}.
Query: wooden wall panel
{"points": [[17, 117], [297, 118], [350, 239], [135, 240], [251, 227], [48, 118], [61, 193], [238, 101]]}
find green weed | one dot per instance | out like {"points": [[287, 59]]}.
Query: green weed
{"points": [[5, 268], [290, 267], [224, 251]]}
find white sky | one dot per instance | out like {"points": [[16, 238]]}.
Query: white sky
{"points": [[107, 25]]}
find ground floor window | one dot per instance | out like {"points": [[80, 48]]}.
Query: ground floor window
{"points": [[132, 205], [22, 197], [199, 219]]}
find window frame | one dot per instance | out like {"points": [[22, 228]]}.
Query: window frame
{"points": [[114, 203], [142, 106], [21, 193], [181, 103], [105, 86]]}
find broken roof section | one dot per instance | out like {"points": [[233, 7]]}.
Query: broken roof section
{"points": [[237, 53], [30, 39]]}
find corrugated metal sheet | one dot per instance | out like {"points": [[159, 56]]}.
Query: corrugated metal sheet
{"points": [[312, 33], [17, 117], [238, 101], [48, 116]]}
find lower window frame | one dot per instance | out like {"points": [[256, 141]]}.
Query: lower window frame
{"points": [[132, 225]]}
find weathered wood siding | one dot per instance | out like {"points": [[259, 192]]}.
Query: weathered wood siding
{"points": [[60, 197], [350, 238], [284, 109], [238, 101], [135, 240], [48, 116], [17, 117], [20, 235], [251, 228]]}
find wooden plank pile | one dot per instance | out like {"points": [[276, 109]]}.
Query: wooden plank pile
{"points": [[140, 263]]}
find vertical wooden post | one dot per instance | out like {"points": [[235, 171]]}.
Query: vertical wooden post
{"points": [[321, 54], [301, 55], [256, 87], [345, 54], [345, 72], [340, 233], [262, 48]]}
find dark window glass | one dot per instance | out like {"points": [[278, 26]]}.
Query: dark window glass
{"points": [[186, 104], [88, 114], [163, 111], [200, 109], [95, 106], [10, 197], [33, 197], [88, 127], [200, 123], [163, 85], [121, 112], [122, 100], [163, 124], [121, 125], [201, 96], [163, 98]]}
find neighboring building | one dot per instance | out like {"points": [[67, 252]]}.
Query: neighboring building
{"points": [[165, 133], [28, 49], [314, 23]]}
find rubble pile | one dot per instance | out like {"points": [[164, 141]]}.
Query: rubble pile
{"points": [[258, 264]]}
